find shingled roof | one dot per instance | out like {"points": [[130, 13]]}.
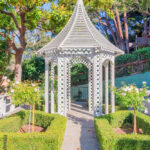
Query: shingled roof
{"points": [[80, 33]]}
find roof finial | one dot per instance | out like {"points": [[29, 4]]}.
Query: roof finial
{"points": [[79, 1]]}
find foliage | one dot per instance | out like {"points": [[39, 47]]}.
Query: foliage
{"points": [[20, 17], [108, 139], [11, 124], [140, 54], [79, 74], [33, 69], [4, 57], [131, 96], [62, 11], [51, 139], [24, 93], [35, 41]]}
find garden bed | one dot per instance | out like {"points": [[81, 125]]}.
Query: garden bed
{"points": [[51, 139], [28, 129], [110, 140]]}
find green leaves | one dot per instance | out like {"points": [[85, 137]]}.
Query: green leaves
{"points": [[4, 56], [25, 93], [131, 96], [33, 69]]}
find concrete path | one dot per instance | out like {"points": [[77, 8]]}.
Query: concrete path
{"points": [[80, 133]]}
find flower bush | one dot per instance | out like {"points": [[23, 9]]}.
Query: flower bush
{"points": [[133, 97]]}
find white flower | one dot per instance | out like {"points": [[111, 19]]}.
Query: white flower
{"points": [[124, 94], [9, 97], [17, 82], [8, 80], [137, 90], [35, 90], [33, 85], [125, 89], [4, 77], [148, 92], [12, 91], [14, 84], [144, 82], [141, 89]]}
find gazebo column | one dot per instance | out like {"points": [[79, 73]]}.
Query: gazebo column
{"points": [[46, 85], [62, 89], [68, 87], [69, 82], [97, 77], [106, 89], [90, 86], [112, 85], [52, 87]]}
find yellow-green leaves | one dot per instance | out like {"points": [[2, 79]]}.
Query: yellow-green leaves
{"points": [[24, 93]]}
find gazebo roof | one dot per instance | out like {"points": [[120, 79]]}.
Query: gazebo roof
{"points": [[80, 33]]}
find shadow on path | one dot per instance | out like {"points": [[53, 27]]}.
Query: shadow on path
{"points": [[80, 133]]}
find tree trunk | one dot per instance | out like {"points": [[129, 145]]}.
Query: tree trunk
{"points": [[135, 127], [126, 32], [112, 32], [18, 67], [117, 32], [33, 118], [145, 25], [120, 30]]}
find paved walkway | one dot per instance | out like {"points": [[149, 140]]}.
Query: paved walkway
{"points": [[80, 134]]}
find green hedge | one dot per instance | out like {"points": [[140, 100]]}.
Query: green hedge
{"points": [[51, 139], [11, 124], [109, 140], [141, 54]]}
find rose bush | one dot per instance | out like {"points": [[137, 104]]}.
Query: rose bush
{"points": [[133, 97]]}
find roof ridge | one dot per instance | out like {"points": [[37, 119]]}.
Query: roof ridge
{"points": [[76, 9]]}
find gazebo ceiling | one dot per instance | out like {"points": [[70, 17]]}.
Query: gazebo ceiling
{"points": [[80, 33]]}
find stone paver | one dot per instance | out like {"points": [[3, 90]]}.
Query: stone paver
{"points": [[80, 133]]}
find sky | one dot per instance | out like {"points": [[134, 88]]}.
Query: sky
{"points": [[47, 6]]}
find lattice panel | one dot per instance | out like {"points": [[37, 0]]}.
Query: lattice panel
{"points": [[68, 100], [97, 86], [88, 64], [79, 59], [90, 88], [61, 86]]}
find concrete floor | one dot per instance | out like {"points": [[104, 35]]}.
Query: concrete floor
{"points": [[80, 133]]}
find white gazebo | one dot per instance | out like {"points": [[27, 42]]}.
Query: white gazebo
{"points": [[80, 42]]}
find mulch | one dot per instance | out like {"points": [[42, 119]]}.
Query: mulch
{"points": [[126, 131], [25, 129]]}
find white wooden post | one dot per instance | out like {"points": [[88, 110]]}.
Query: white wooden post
{"points": [[52, 87], [97, 77], [46, 85], [106, 89], [112, 85]]}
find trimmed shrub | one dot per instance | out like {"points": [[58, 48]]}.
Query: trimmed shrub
{"points": [[51, 139], [109, 140], [139, 55], [12, 124]]}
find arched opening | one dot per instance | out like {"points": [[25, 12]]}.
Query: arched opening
{"points": [[79, 84]]}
